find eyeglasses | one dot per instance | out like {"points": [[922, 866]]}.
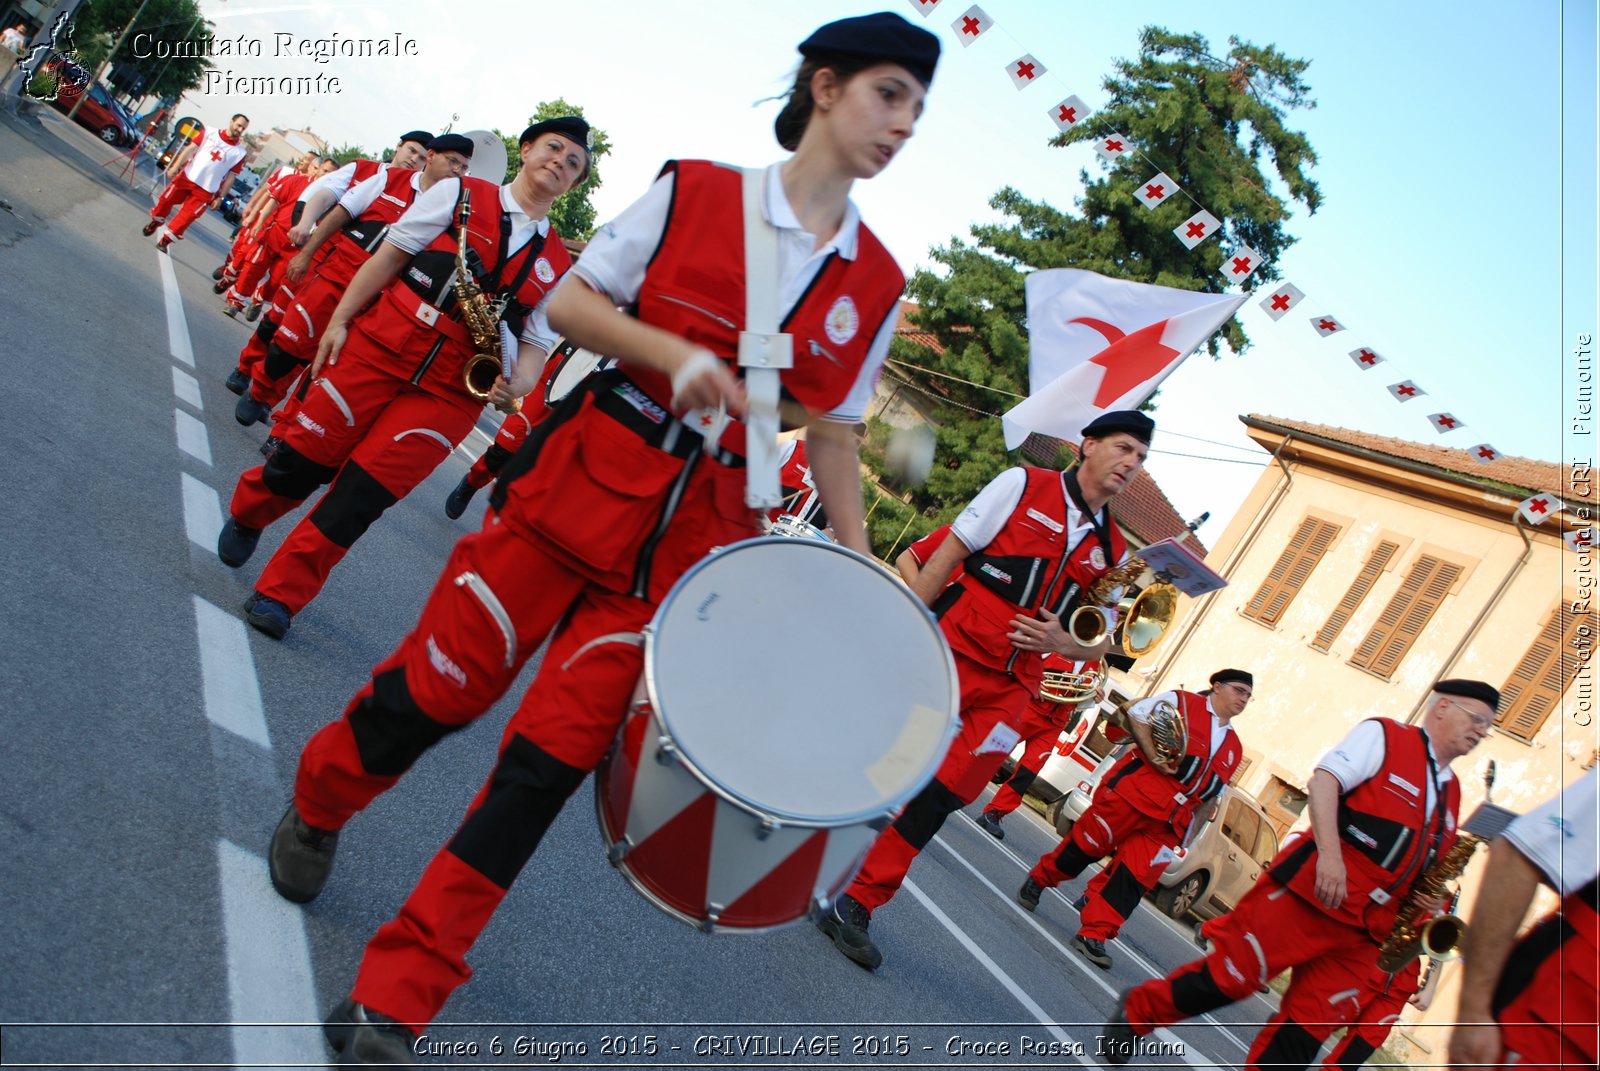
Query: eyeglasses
{"points": [[1481, 722], [1243, 688]]}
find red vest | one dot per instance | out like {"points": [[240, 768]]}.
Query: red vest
{"points": [[1027, 567], [343, 254], [417, 317], [286, 191], [695, 288], [1201, 773], [1386, 837]]}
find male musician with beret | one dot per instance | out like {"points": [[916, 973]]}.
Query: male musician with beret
{"points": [[1532, 1002], [1029, 544], [1383, 809], [1145, 807], [393, 404], [197, 179]]}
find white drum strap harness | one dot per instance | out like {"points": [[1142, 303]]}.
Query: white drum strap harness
{"points": [[763, 352]]}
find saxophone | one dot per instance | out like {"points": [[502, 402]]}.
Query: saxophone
{"points": [[481, 315], [1415, 933]]}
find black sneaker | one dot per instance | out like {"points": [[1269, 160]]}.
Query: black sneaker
{"points": [[989, 822], [366, 1038], [164, 245], [267, 615], [221, 285], [249, 411], [846, 922], [300, 857], [1028, 895], [150, 228], [218, 274], [237, 382], [1117, 1039], [455, 504], [235, 543], [270, 445], [252, 312], [1093, 950], [1080, 903]]}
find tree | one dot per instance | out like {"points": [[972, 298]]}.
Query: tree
{"points": [[346, 153], [572, 215], [176, 25], [1207, 122]]}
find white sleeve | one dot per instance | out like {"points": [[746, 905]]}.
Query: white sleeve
{"points": [[1561, 837], [986, 514], [536, 328], [854, 406], [335, 182], [427, 217], [1141, 711], [358, 200], [1357, 757], [615, 259]]}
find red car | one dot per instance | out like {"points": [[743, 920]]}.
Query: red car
{"points": [[99, 112]]}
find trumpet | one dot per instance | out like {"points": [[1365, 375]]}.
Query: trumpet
{"points": [[1144, 616]]}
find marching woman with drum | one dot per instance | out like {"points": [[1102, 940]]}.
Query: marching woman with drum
{"points": [[632, 481]]}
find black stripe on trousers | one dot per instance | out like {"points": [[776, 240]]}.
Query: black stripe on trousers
{"points": [[390, 730], [355, 500], [926, 813], [527, 790]]}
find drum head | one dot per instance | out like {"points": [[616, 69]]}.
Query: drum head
{"points": [[802, 681], [573, 365]]}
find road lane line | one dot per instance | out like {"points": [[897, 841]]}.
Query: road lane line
{"points": [[202, 513], [272, 997], [192, 438], [187, 388], [177, 327], [228, 675]]}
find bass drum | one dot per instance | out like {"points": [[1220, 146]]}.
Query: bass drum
{"points": [[795, 695], [570, 365]]}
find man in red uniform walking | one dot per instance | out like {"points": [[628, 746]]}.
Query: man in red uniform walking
{"points": [[1383, 808], [281, 211], [197, 176], [1029, 544], [1145, 807], [1057, 717]]}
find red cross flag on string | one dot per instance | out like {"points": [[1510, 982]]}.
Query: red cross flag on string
{"points": [[1580, 539], [1326, 325], [1540, 507], [1197, 228], [925, 6], [1281, 300], [1405, 390], [972, 25], [1112, 146], [1098, 344], [1240, 264], [1069, 113], [1484, 454], [1444, 422], [1025, 71], [1155, 190], [1366, 358]]}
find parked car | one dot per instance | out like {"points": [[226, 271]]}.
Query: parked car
{"points": [[99, 112], [238, 195]]}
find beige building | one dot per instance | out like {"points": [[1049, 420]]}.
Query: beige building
{"points": [[1361, 570], [285, 147]]}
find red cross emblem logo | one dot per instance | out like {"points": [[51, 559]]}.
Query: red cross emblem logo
{"points": [[1156, 192], [705, 420], [216, 154], [1114, 145], [1025, 70], [1538, 505], [1197, 230], [1405, 391], [971, 25], [1446, 422], [1487, 453], [1280, 302], [1326, 325], [1069, 115], [1241, 266], [1367, 357]]}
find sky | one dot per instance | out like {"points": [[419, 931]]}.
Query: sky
{"points": [[1456, 161]]}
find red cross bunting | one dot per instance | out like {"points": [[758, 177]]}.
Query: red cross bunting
{"points": [[1583, 537], [1446, 421], [1156, 192], [1241, 266], [971, 25], [1024, 70], [1405, 391], [1487, 453], [1538, 505], [1280, 302], [1367, 357], [1069, 115], [1114, 145], [1197, 230], [1326, 325]]}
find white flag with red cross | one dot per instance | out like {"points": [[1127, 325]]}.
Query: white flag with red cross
{"points": [[1580, 539], [1099, 344], [1155, 191], [1197, 228], [1444, 422], [1069, 113], [925, 7], [1366, 358], [1240, 264], [1540, 507], [1112, 146], [1024, 71], [1326, 325], [1281, 300], [1405, 390], [972, 25], [1484, 454]]}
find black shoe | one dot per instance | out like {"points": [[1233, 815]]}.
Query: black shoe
{"points": [[1117, 1038], [236, 543], [846, 923], [300, 857], [218, 274], [455, 504], [267, 615], [1094, 951], [252, 312], [150, 228], [1080, 903], [1028, 895], [270, 445], [164, 245], [238, 382], [989, 822], [363, 1037], [249, 411], [220, 286]]}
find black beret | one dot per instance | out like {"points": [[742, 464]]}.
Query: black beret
{"points": [[885, 37], [1233, 676], [1466, 689], [571, 127], [421, 137], [453, 143], [1131, 421]]}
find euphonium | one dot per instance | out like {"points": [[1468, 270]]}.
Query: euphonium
{"points": [[482, 319], [1414, 933], [1144, 616]]}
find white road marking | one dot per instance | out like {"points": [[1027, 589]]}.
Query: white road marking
{"points": [[202, 513], [272, 997], [228, 674], [192, 438], [177, 327], [461, 448], [187, 388]]}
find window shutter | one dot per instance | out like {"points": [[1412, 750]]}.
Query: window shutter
{"points": [[1353, 598], [1407, 614], [1546, 671], [1310, 542]]}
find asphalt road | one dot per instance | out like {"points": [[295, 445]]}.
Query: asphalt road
{"points": [[151, 740]]}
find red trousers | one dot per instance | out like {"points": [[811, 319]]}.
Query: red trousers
{"points": [[1110, 827], [1036, 751], [264, 269], [512, 434], [298, 312], [371, 433], [988, 698], [243, 248], [1382, 998], [1548, 1012], [190, 200]]}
